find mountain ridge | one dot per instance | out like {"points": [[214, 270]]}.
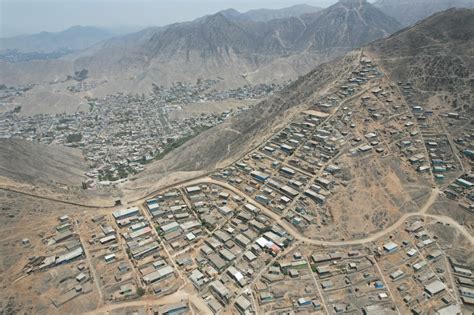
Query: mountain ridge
{"points": [[74, 38], [239, 51]]}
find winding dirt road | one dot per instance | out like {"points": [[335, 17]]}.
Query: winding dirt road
{"points": [[373, 237]]}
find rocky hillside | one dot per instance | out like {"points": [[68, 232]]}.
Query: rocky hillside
{"points": [[436, 55], [408, 12], [203, 47], [347, 24], [265, 15], [27, 162]]}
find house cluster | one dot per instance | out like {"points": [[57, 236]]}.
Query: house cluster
{"points": [[461, 189], [9, 93], [174, 220], [228, 246], [416, 270], [115, 274], [337, 270], [297, 171], [205, 91], [144, 249], [288, 286], [65, 254], [464, 280], [118, 134]]}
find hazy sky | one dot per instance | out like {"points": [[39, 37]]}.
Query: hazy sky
{"points": [[32, 16]]}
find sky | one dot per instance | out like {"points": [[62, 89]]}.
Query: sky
{"points": [[33, 16]]}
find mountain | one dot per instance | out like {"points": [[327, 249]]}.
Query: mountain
{"points": [[265, 15], [408, 12], [239, 50], [74, 38], [347, 24], [435, 56]]}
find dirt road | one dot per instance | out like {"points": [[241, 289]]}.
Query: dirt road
{"points": [[148, 302], [374, 236]]}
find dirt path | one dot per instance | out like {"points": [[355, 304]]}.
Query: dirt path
{"points": [[176, 297], [91, 265]]}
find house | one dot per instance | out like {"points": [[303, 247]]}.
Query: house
{"points": [[315, 196], [453, 309], [158, 275], [220, 291], [193, 190], [226, 210], [236, 275], [435, 287], [69, 256], [396, 274], [107, 239], [197, 278], [170, 227], [262, 199], [242, 304], [260, 176], [173, 309], [109, 258], [125, 213], [288, 171], [390, 247]]}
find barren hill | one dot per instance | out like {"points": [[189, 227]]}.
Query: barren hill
{"points": [[202, 47], [408, 12], [27, 162], [265, 15], [436, 55], [220, 45], [48, 171], [348, 24]]}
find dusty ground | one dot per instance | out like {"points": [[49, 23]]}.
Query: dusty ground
{"points": [[451, 208], [48, 171], [24, 217], [379, 193]]}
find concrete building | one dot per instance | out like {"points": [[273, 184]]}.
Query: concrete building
{"points": [[158, 275], [242, 304], [125, 213], [435, 287], [220, 291]]}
